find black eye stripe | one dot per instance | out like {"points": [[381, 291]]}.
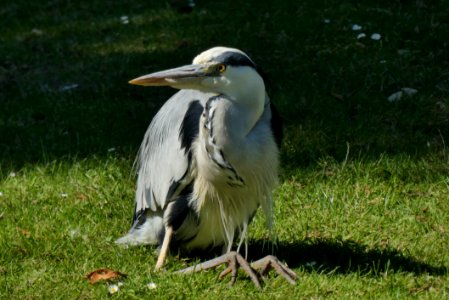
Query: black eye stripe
{"points": [[235, 59]]}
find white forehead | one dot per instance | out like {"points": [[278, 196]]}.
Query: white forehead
{"points": [[211, 54]]}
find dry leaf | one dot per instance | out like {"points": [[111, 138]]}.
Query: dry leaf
{"points": [[404, 91], [338, 96], [103, 274], [395, 96], [82, 197], [24, 232], [376, 36]]}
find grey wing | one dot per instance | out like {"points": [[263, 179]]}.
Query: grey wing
{"points": [[165, 156], [163, 164]]}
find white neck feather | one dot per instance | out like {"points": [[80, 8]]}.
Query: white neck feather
{"points": [[246, 89]]}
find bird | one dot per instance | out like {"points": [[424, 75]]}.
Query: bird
{"points": [[208, 160]]}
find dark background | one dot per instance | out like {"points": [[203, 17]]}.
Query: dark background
{"points": [[64, 90]]}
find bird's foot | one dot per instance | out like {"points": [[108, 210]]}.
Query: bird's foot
{"points": [[235, 261], [264, 265]]}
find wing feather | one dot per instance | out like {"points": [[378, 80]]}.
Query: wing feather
{"points": [[164, 159]]}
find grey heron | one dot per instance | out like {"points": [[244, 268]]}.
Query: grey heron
{"points": [[208, 160]]}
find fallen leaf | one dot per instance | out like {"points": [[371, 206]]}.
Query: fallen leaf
{"points": [[409, 91], [356, 27], [395, 96], [376, 36], [338, 96], [68, 87], [81, 197], [124, 19], [24, 232], [37, 32], [103, 274], [399, 94]]}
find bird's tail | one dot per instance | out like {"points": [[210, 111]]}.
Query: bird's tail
{"points": [[148, 232]]}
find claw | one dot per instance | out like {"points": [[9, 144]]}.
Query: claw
{"points": [[225, 272], [271, 262]]}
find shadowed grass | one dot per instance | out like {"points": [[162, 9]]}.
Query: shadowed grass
{"points": [[361, 211]]}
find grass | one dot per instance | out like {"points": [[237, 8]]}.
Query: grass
{"points": [[361, 211]]}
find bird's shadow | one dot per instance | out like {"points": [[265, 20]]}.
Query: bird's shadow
{"points": [[336, 256], [347, 256]]}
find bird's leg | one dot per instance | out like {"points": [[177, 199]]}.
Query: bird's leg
{"points": [[164, 248], [234, 261], [264, 265]]}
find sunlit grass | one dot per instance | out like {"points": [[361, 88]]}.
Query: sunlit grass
{"points": [[362, 229]]}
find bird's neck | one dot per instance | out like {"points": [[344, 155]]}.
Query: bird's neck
{"points": [[233, 120], [241, 118], [246, 105]]}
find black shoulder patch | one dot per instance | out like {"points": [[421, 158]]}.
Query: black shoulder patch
{"points": [[190, 125], [174, 184], [276, 125], [235, 59]]}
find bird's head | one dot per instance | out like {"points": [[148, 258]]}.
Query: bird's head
{"points": [[219, 70]]}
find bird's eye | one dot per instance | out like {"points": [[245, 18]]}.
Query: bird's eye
{"points": [[221, 68]]}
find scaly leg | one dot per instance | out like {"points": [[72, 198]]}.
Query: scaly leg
{"points": [[164, 248]]}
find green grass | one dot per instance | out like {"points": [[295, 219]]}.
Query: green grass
{"points": [[361, 211]]}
